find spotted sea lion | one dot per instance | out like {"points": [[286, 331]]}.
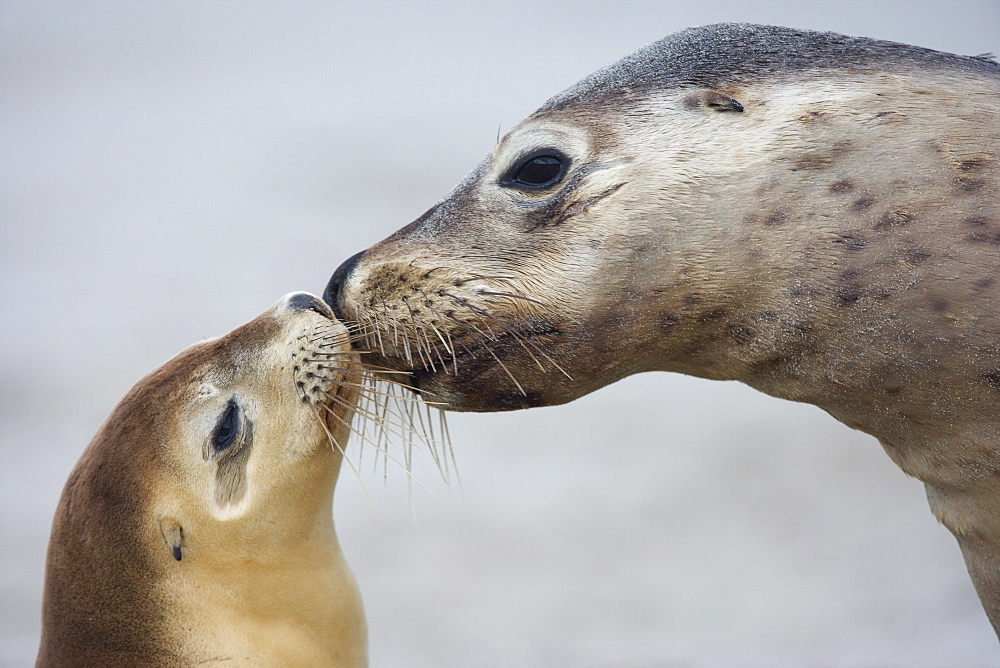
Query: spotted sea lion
{"points": [[197, 526], [812, 214]]}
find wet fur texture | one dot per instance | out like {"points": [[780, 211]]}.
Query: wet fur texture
{"points": [[834, 240]]}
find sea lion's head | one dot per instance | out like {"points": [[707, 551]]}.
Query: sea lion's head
{"points": [[205, 501], [255, 416], [711, 204]]}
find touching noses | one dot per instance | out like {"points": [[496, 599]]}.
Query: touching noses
{"points": [[335, 288]]}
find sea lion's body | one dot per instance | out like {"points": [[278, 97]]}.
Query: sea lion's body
{"points": [[197, 526], [812, 214]]}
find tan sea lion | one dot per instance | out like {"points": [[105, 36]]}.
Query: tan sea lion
{"points": [[197, 526], [813, 214]]}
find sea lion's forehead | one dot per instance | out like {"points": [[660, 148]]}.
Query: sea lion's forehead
{"points": [[727, 54]]}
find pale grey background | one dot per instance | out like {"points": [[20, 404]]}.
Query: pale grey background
{"points": [[170, 169]]}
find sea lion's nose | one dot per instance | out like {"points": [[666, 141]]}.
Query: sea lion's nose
{"points": [[303, 301], [335, 288]]}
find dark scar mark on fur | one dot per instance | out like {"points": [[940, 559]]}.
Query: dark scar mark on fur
{"points": [[862, 204]]}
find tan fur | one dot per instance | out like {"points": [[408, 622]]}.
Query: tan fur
{"points": [[261, 579], [835, 242]]}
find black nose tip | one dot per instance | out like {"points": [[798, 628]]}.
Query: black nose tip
{"points": [[303, 301], [335, 287]]}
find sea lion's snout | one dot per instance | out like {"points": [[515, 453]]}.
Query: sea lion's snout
{"points": [[334, 292]]}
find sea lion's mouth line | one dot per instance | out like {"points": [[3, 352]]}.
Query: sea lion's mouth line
{"points": [[466, 357]]}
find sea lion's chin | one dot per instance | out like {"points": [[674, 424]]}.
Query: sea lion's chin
{"points": [[483, 384], [483, 392]]}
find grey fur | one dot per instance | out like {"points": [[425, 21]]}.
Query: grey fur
{"points": [[727, 54]]}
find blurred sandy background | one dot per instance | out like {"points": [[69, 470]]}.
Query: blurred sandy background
{"points": [[170, 169]]}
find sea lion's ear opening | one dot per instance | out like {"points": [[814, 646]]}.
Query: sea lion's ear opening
{"points": [[173, 535], [711, 99]]}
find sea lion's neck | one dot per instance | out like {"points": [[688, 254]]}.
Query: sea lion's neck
{"points": [[299, 606], [814, 274], [272, 585]]}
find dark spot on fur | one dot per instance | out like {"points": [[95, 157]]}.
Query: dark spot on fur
{"points": [[893, 390], [667, 321], [915, 255], [691, 298], [617, 320], [813, 116], [940, 305], [714, 314], [741, 334], [768, 316], [992, 378], [849, 292], [803, 291], [851, 242], [967, 184], [843, 186], [893, 218], [981, 233], [862, 204], [974, 163], [815, 160], [803, 328], [776, 218], [782, 366], [823, 158], [985, 283]]}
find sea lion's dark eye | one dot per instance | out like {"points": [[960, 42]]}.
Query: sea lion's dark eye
{"points": [[537, 172], [228, 427]]}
